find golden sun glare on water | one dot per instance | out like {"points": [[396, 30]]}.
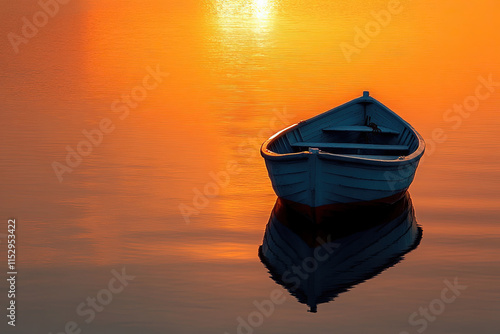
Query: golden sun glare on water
{"points": [[262, 8], [243, 24], [257, 10]]}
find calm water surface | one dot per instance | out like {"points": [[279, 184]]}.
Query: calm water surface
{"points": [[237, 72]]}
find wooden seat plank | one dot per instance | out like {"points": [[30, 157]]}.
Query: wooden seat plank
{"points": [[376, 147], [359, 128]]}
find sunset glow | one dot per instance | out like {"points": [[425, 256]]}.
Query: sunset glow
{"points": [[130, 142]]}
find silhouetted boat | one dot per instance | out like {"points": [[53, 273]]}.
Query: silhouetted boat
{"points": [[359, 151], [316, 262]]}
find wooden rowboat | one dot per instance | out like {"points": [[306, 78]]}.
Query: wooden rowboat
{"points": [[359, 151]]}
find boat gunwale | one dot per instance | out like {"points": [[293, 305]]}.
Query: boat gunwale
{"points": [[410, 158]]}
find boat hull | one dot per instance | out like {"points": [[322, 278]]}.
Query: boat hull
{"points": [[319, 180]]}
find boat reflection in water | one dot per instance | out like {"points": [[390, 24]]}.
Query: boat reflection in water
{"points": [[318, 255]]}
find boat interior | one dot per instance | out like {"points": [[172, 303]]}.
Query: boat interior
{"points": [[360, 128]]}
